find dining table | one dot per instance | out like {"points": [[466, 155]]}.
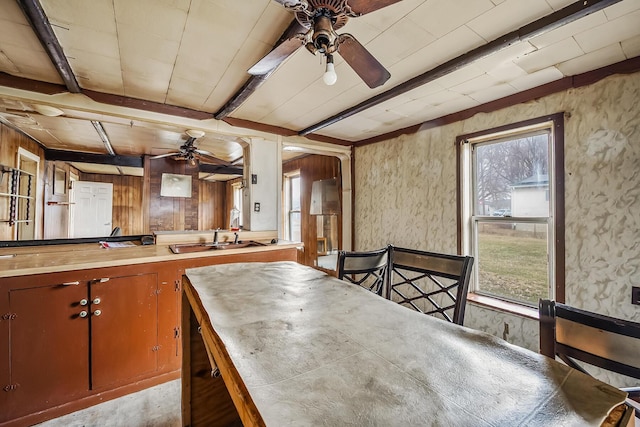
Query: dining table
{"points": [[283, 344]]}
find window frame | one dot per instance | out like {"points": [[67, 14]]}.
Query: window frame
{"points": [[237, 190], [465, 222], [287, 202]]}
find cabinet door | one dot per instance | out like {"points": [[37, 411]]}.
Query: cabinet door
{"points": [[49, 347], [124, 333]]}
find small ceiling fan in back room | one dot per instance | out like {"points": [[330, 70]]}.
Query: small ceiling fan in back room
{"points": [[192, 154], [321, 19]]}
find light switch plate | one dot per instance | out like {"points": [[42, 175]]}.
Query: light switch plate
{"points": [[256, 207]]}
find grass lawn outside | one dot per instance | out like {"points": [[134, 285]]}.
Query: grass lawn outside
{"points": [[513, 264]]}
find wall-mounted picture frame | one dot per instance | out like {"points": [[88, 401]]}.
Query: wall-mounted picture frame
{"points": [[59, 182], [173, 185]]}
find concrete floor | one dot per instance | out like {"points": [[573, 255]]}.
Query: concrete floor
{"points": [[157, 406]]}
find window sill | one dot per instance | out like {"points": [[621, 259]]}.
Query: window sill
{"points": [[504, 306]]}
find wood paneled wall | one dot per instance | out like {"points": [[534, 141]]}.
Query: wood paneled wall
{"points": [[204, 210], [212, 207], [313, 168], [127, 200], [10, 141]]}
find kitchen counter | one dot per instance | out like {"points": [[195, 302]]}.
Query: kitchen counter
{"points": [[22, 261]]}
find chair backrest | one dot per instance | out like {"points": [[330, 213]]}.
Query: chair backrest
{"points": [[367, 269], [431, 283], [578, 335]]}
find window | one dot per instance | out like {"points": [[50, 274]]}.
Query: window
{"points": [[292, 207], [237, 202], [512, 210]]}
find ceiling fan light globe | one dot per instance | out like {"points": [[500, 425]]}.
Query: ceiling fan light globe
{"points": [[330, 77]]}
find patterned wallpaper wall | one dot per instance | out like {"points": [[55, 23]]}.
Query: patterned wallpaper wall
{"points": [[406, 195]]}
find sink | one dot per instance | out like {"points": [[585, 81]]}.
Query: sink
{"points": [[200, 247]]}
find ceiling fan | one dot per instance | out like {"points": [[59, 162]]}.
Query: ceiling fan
{"points": [[321, 19], [192, 154]]}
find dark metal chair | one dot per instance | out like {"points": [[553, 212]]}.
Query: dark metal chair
{"points": [[431, 283], [575, 335], [366, 269]]}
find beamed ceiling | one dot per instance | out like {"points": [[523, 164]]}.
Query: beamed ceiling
{"points": [[148, 70]]}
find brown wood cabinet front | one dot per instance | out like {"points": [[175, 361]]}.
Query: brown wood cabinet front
{"points": [[71, 335], [124, 319], [49, 347]]}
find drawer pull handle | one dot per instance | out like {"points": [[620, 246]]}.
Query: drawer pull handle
{"points": [[83, 314], [84, 302], [97, 312], [76, 283]]}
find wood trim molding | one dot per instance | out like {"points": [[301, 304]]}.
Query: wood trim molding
{"points": [[31, 85]]}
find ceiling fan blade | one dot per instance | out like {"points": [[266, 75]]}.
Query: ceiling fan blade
{"points": [[361, 7], [363, 63], [160, 156], [277, 56]]}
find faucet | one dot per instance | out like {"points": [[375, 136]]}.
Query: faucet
{"points": [[235, 240], [215, 236]]}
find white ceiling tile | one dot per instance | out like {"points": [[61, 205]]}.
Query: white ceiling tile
{"points": [[569, 30], [163, 20], [506, 72], [474, 85], [452, 106], [387, 16], [631, 47], [554, 54], [411, 108], [6, 65], [536, 79], [441, 97], [559, 4], [492, 93], [95, 14], [460, 76], [440, 17], [399, 41], [508, 16], [505, 57], [592, 60], [78, 38], [619, 29], [134, 42], [454, 44], [32, 65], [622, 8]]}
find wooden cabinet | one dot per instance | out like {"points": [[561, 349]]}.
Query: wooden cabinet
{"points": [[48, 347], [76, 334]]}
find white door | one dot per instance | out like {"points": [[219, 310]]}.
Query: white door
{"points": [[92, 209]]}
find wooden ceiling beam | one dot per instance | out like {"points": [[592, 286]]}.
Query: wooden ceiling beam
{"points": [[102, 159], [221, 169], [552, 21], [40, 24], [254, 82]]}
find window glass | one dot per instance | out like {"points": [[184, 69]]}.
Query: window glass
{"points": [[512, 177], [509, 213]]}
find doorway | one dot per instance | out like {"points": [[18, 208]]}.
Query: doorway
{"points": [[92, 209], [28, 164]]}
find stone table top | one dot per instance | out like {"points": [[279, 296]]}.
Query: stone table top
{"points": [[316, 351]]}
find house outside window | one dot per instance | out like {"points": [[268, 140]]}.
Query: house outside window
{"points": [[293, 217], [512, 210]]}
